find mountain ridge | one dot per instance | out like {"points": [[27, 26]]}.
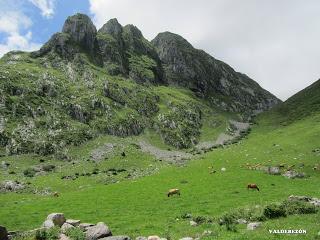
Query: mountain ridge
{"points": [[84, 82]]}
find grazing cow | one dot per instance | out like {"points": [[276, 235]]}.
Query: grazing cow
{"points": [[252, 186], [56, 194], [173, 192]]}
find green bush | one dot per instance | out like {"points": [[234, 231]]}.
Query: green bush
{"points": [[230, 221], [75, 234], [48, 168], [274, 211], [29, 172], [298, 207]]}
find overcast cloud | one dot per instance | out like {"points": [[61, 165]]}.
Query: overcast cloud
{"points": [[274, 42]]}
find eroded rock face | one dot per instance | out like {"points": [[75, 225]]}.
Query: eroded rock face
{"points": [[208, 77], [81, 31]]}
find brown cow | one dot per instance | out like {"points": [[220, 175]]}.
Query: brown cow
{"points": [[173, 192], [252, 186]]}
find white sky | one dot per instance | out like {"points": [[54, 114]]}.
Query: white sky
{"points": [[274, 42]]}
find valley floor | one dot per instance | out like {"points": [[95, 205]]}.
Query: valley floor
{"points": [[129, 192]]}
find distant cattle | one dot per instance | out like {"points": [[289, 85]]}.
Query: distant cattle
{"points": [[173, 192], [252, 186]]}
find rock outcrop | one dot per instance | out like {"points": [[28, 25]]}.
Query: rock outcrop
{"points": [[210, 78]]}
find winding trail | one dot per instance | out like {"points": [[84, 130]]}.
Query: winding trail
{"points": [[180, 157]]}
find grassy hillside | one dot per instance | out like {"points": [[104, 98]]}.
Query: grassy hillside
{"points": [[126, 205], [299, 106]]}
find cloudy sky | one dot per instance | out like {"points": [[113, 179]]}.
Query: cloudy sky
{"points": [[274, 42]]}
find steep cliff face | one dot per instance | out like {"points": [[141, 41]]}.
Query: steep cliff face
{"points": [[210, 78]]}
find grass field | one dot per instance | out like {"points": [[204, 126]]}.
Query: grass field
{"points": [[140, 206]]}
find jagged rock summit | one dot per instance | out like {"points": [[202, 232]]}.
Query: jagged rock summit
{"points": [[84, 82], [167, 59], [195, 69]]}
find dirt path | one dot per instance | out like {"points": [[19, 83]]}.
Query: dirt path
{"points": [[225, 137], [176, 157]]}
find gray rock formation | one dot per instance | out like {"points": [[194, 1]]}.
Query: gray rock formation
{"points": [[100, 230], [253, 225], [195, 69]]}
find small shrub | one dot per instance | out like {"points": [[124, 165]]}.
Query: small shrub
{"points": [[230, 222], [298, 207], [200, 219], [41, 234], [48, 168], [53, 233], [75, 234], [12, 172], [274, 211], [29, 172]]}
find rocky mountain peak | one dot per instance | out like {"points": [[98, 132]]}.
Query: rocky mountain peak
{"points": [[170, 38], [133, 31], [112, 27], [81, 30]]}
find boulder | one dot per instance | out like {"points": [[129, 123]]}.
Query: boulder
{"points": [[66, 226], [85, 226], [63, 237], [241, 221], [48, 224], [193, 223], [154, 237], [11, 186], [3, 233], [274, 170], [141, 238], [186, 238], [116, 238], [315, 202], [58, 219], [299, 198], [73, 222], [293, 174], [253, 225], [98, 231]]}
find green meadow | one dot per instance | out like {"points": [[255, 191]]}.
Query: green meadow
{"points": [[139, 206]]}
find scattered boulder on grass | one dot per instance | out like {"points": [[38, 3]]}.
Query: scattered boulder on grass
{"points": [[48, 224], [311, 200], [154, 238], [85, 226], [186, 238], [193, 223], [73, 222], [100, 230], [241, 221], [253, 225], [273, 170], [66, 226], [3, 233], [11, 186], [54, 219], [293, 174]]}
